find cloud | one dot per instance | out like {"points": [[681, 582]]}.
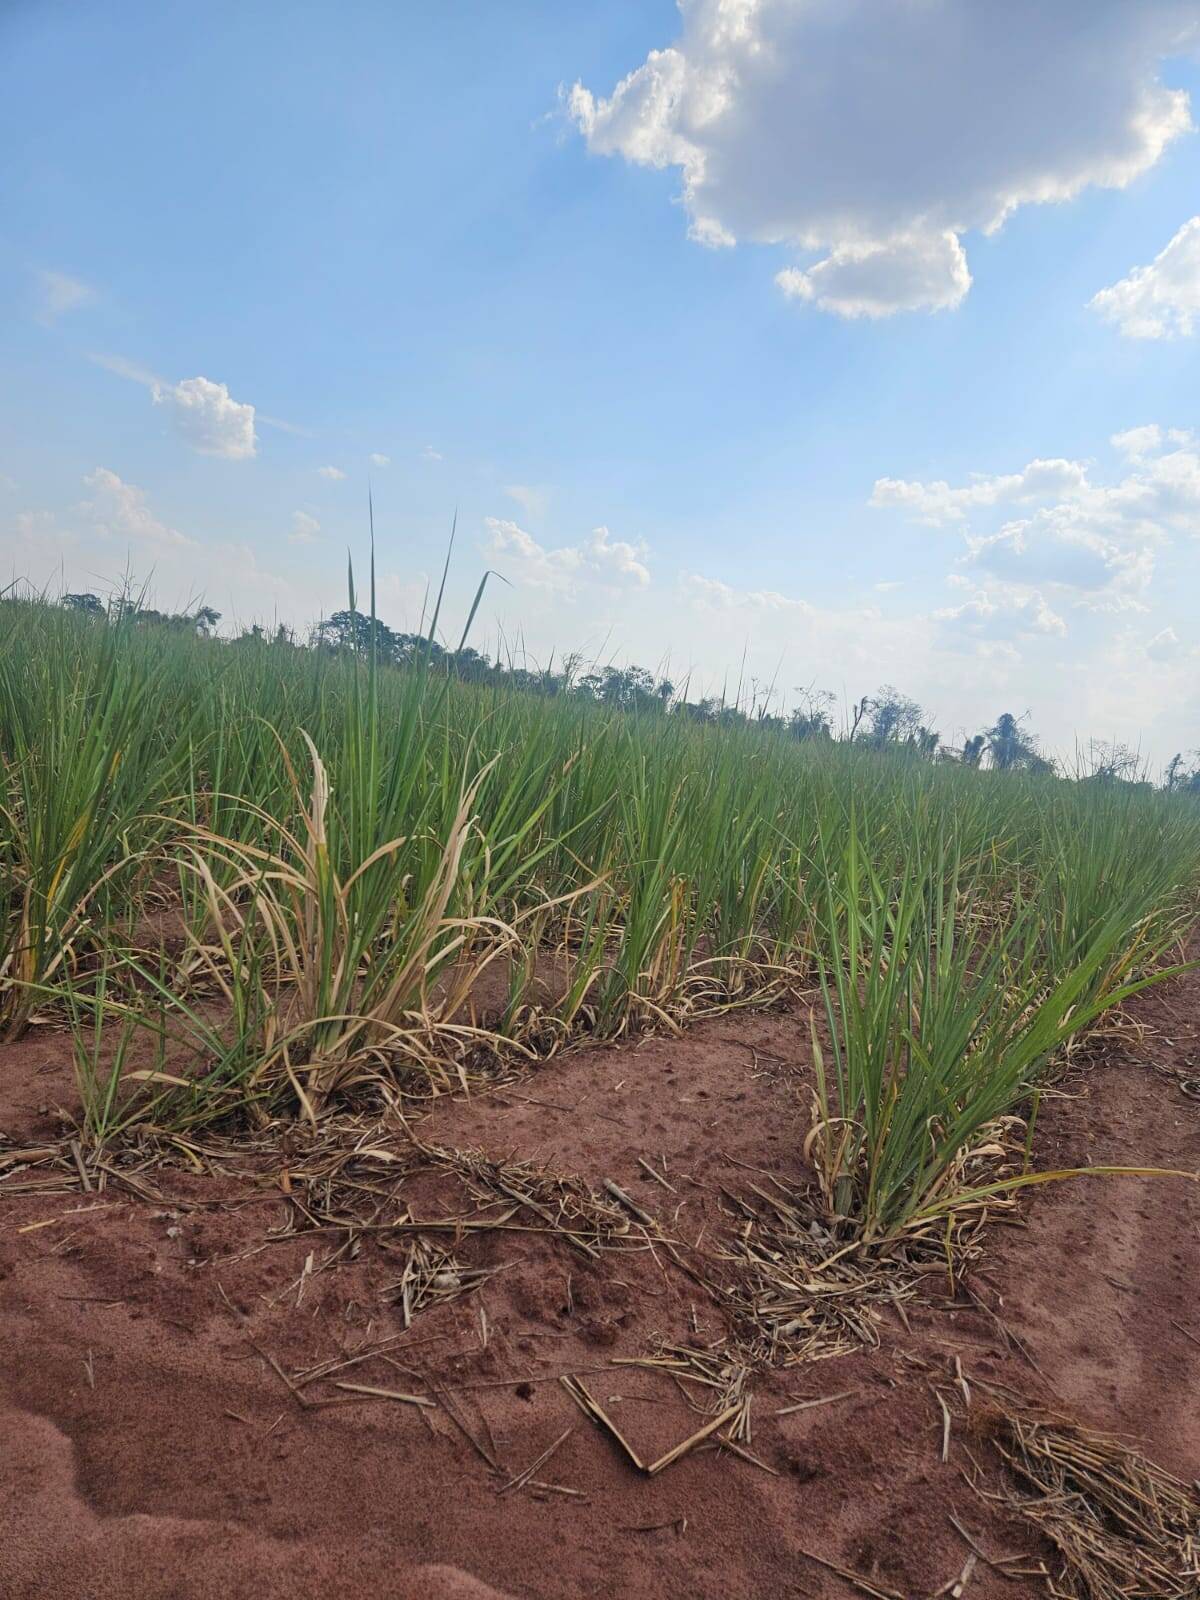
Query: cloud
{"points": [[114, 538], [1164, 646], [208, 418], [1077, 543], [535, 565], [428, 453], [59, 294], [610, 555], [767, 637], [33, 545], [937, 503], [119, 510], [1029, 554], [877, 135], [204, 413], [990, 617], [915, 272], [378, 460], [564, 570], [711, 594], [304, 528], [1161, 301], [1138, 442], [532, 500], [1075, 534], [132, 370]]}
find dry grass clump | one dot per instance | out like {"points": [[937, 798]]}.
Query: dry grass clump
{"points": [[797, 1292], [563, 1203], [1123, 1528], [431, 1275], [713, 1380]]}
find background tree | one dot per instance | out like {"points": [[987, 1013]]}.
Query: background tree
{"points": [[350, 630], [1012, 749], [892, 718], [623, 688], [1183, 774], [886, 720], [811, 719], [201, 621], [1112, 762], [88, 605]]}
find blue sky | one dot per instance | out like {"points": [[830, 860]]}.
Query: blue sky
{"points": [[401, 232]]}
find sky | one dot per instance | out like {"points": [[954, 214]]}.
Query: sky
{"points": [[768, 343]]}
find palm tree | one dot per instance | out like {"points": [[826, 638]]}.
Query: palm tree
{"points": [[1006, 742]]}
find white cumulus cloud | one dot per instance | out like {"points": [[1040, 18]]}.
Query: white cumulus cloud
{"points": [[378, 460], [1138, 442], [992, 616], [915, 272], [1072, 532], [1034, 553], [334, 474], [616, 557], [1161, 301], [714, 595], [937, 503], [565, 569], [207, 416], [119, 510], [877, 132]]}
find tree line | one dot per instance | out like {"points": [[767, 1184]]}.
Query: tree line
{"points": [[885, 720]]}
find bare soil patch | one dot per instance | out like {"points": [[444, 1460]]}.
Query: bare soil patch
{"points": [[172, 1423]]}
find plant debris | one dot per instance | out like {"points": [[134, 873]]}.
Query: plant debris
{"points": [[1124, 1529]]}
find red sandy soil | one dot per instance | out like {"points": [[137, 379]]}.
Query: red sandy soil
{"points": [[148, 1448]]}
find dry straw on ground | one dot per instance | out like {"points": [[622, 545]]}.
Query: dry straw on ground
{"points": [[1123, 1528]]}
